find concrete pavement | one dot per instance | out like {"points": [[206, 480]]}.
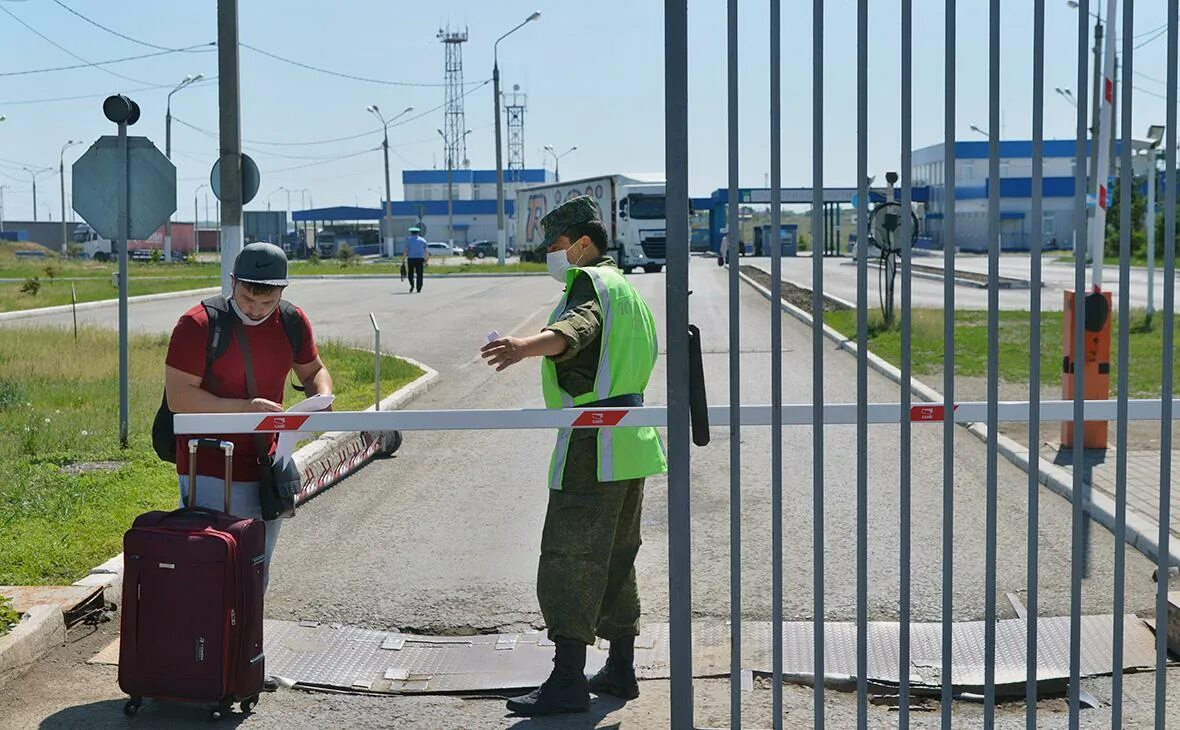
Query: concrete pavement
{"points": [[443, 538]]}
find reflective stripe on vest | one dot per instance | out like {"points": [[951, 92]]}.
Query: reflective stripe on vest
{"points": [[628, 333]]}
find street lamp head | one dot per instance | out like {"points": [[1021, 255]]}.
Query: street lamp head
{"points": [[1072, 3], [535, 16], [549, 147], [407, 110], [372, 109]]}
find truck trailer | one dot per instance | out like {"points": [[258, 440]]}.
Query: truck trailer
{"points": [[632, 209]]}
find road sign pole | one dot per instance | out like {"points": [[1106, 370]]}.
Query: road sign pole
{"points": [[124, 204]]}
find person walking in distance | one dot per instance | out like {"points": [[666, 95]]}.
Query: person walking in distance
{"points": [[415, 256], [598, 349]]}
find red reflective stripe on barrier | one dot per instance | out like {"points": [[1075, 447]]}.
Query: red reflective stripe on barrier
{"points": [[928, 413], [281, 423], [600, 418]]}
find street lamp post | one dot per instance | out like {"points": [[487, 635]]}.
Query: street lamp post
{"points": [[557, 160], [168, 153], [372, 109], [2, 189], [61, 172], [1097, 94], [501, 238], [197, 228], [33, 174]]}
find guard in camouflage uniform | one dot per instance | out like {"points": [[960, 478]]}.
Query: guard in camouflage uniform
{"points": [[597, 350]]}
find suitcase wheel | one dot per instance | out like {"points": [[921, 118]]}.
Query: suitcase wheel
{"points": [[132, 706], [221, 711], [248, 705]]}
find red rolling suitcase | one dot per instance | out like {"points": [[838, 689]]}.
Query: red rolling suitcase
{"points": [[191, 627]]}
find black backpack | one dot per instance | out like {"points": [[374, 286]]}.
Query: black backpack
{"points": [[220, 330]]}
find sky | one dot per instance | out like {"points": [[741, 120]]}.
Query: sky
{"points": [[593, 73]]}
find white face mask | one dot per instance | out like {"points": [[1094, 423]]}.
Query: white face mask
{"points": [[246, 320], [557, 263]]}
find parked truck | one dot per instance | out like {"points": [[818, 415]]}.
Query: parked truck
{"points": [[94, 246], [632, 209]]}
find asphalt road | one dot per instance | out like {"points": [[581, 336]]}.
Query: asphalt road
{"points": [[840, 280], [443, 538]]}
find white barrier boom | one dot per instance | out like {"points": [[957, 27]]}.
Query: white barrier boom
{"points": [[794, 414]]}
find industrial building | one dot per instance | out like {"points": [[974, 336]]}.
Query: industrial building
{"points": [[972, 187]]}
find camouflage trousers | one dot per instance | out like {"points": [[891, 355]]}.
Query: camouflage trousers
{"points": [[586, 576]]}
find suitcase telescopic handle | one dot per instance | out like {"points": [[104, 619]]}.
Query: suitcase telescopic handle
{"points": [[225, 446]]}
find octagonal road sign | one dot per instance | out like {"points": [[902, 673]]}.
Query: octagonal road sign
{"points": [[151, 187]]}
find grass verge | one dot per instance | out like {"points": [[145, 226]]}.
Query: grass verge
{"points": [[68, 492], [1146, 346]]}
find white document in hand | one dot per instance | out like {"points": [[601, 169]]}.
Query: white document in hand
{"points": [[288, 439]]}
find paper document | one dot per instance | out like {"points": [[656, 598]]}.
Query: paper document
{"points": [[288, 439]]}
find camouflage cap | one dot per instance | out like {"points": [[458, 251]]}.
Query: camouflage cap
{"points": [[572, 212]]}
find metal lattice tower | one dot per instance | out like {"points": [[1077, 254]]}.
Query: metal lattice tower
{"points": [[455, 125], [514, 105]]}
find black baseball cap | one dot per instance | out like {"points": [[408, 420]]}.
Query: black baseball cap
{"points": [[261, 263]]}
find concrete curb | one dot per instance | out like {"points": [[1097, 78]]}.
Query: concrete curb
{"points": [[1006, 282], [328, 459], [63, 308], [40, 630], [1141, 534]]}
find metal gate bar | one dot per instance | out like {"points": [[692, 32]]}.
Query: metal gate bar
{"points": [[776, 362], [993, 367], [862, 362], [679, 474], [1161, 605], [907, 65], [948, 359], [1080, 239], [735, 389], [1034, 362], [817, 355], [1120, 520]]}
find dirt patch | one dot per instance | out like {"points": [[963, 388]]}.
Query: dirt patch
{"points": [[792, 294]]}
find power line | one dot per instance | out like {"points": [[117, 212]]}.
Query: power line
{"points": [[1162, 31], [96, 24], [213, 135], [339, 74], [60, 47], [156, 87]]}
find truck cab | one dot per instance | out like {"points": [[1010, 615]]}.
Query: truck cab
{"points": [[93, 245], [641, 231], [325, 243]]}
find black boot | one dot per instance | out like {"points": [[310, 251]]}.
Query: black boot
{"points": [[565, 690], [617, 676]]}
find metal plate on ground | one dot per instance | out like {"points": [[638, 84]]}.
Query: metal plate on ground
{"points": [[967, 665], [360, 659]]}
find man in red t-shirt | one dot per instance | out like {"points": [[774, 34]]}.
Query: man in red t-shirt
{"points": [[258, 280]]}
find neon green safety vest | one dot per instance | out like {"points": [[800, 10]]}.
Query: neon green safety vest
{"points": [[627, 354]]}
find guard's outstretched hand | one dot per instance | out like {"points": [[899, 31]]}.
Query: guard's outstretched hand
{"points": [[504, 351]]}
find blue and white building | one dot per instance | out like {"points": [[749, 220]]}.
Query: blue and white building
{"points": [[972, 186]]}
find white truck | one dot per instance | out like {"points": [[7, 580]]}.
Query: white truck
{"points": [[632, 208]]}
